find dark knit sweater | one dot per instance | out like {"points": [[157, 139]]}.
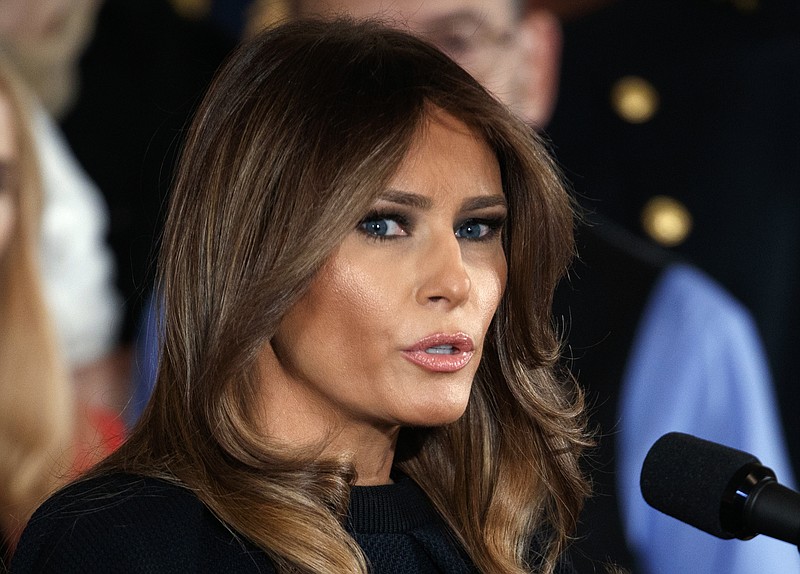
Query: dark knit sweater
{"points": [[124, 524]]}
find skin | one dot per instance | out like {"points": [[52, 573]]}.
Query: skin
{"points": [[32, 21], [335, 373], [7, 161], [44, 39], [515, 56]]}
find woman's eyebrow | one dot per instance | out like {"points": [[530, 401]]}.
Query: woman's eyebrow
{"points": [[406, 198], [423, 202], [484, 201]]}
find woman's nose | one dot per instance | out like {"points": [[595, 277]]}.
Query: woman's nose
{"points": [[444, 279]]}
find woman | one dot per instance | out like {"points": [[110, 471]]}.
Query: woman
{"points": [[358, 359]]}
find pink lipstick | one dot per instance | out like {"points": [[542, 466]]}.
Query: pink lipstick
{"points": [[441, 353]]}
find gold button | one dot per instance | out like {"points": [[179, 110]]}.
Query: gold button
{"points": [[634, 99], [666, 220]]}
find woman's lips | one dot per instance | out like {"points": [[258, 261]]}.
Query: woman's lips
{"points": [[441, 352]]}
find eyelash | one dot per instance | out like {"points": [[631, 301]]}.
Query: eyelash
{"points": [[494, 225]]}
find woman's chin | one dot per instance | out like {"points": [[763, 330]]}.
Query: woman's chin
{"points": [[439, 412]]}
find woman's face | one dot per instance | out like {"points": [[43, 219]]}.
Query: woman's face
{"points": [[7, 161], [392, 329]]}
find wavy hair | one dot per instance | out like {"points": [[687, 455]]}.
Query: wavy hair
{"points": [[306, 124], [36, 412]]}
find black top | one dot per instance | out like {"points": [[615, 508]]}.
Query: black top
{"points": [[123, 523]]}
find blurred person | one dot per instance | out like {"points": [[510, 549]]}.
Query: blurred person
{"points": [[360, 368], [659, 345], [46, 434], [35, 396], [43, 39], [121, 78]]}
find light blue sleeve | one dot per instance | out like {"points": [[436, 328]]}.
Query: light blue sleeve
{"points": [[697, 366]]}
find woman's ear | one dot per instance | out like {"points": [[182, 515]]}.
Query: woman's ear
{"points": [[540, 59]]}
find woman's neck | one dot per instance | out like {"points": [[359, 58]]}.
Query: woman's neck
{"points": [[373, 456], [294, 415], [369, 448]]}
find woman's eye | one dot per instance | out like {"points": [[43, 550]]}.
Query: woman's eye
{"points": [[382, 227], [474, 230]]}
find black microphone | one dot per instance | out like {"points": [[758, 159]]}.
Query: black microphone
{"points": [[718, 489]]}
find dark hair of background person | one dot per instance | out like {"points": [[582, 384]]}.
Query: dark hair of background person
{"points": [[141, 77], [299, 134]]}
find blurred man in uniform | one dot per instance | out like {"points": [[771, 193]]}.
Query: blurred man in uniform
{"points": [[680, 121]]}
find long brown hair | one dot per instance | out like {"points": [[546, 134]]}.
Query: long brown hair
{"points": [[300, 132], [36, 407]]}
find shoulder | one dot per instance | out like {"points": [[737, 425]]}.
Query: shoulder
{"points": [[696, 300], [127, 523], [694, 330], [116, 497]]}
